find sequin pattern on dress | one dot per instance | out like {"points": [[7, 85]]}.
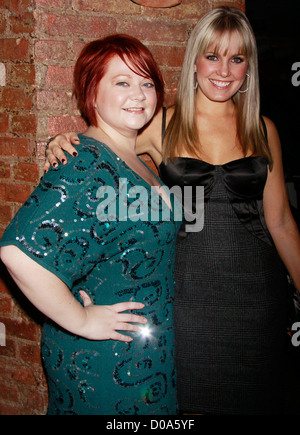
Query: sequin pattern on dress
{"points": [[112, 261]]}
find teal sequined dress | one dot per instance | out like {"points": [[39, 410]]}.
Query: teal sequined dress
{"points": [[114, 261]]}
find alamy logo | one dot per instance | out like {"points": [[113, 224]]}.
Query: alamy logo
{"points": [[296, 76], [2, 335], [133, 204], [296, 334]]}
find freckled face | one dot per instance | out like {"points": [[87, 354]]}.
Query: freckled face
{"points": [[125, 100], [220, 75]]}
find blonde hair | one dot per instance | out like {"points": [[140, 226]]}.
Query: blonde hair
{"points": [[181, 133]]}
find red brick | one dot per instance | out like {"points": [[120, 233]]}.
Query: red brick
{"points": [[166, 55], [30, 352], [237, 3], [22, 328], [24, 124], [4, 169], [14, 49], [158, 3], [10, 350], [17, 6], [6, 306], [56, 100], [73, 26], [153, 30], [18, 373], [23, 23], [21, 75], [4, 278], [5, 214], [51, 3], [108, 6], [14, 192], [26, 172], [10, 409], [3, 122], [57, 124], [15, 99], [33, 399], [3, 24], [8, 391], [51, 50], [14, 147], [59, 76]]}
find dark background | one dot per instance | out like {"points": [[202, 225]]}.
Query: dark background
{"points": [[277, 30]]}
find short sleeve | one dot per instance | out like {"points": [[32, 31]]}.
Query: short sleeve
{"points": [[58, 226]]}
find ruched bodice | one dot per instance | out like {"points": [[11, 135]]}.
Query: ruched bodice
{"points": [[245, 177], [230, 294], [244, 180]]}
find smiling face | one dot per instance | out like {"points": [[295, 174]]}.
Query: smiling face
{"points": [[221, 70], [125, 101]]}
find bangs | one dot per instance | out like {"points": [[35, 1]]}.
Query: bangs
{"points": [[145, 66], [218, 42], [137, 65]]}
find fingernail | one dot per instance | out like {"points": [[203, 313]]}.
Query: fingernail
{"points": [[54, 165], [75, 154], [63, 161]]}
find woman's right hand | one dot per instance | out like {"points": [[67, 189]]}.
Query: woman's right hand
{"points": [[55, 149], [103, 322]]}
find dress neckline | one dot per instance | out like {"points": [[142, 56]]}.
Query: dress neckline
{"points": [[137, 175], [216, 166]]}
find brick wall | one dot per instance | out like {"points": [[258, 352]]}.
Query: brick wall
{"points": [[40, 40]]}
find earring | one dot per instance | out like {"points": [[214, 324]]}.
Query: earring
{"points": [[246, 90], [195, 81]]}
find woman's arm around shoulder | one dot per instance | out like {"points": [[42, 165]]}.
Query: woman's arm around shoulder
{"points": [[150, 139], [57, 145], [278, 215]]}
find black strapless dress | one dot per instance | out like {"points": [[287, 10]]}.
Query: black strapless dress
{"points": [[230, 315]]}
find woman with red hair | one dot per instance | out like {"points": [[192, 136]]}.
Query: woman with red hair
{"points": [[230, 298], [88, 271]]}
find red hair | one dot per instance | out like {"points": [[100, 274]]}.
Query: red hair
{"points": [[91, 67]]}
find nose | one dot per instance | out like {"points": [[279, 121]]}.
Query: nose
{"points": [[137, 93], [224, 69]]}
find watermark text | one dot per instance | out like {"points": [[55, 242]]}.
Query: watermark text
{"points": [[2, 335], [296, 75], [295, 334], [138, 203]]}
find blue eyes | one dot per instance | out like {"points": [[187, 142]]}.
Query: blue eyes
{"points": [[125, 84], [149, 85], [238, 60], [234, 59]]}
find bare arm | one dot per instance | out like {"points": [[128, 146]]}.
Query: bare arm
{"points": [[149, 141], [279, 219], [54, 299]]}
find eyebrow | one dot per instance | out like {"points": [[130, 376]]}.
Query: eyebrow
{"points": [[217, 52], [122, 75]]}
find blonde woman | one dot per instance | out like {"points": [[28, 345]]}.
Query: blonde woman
{"points": [[230, 300]]}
